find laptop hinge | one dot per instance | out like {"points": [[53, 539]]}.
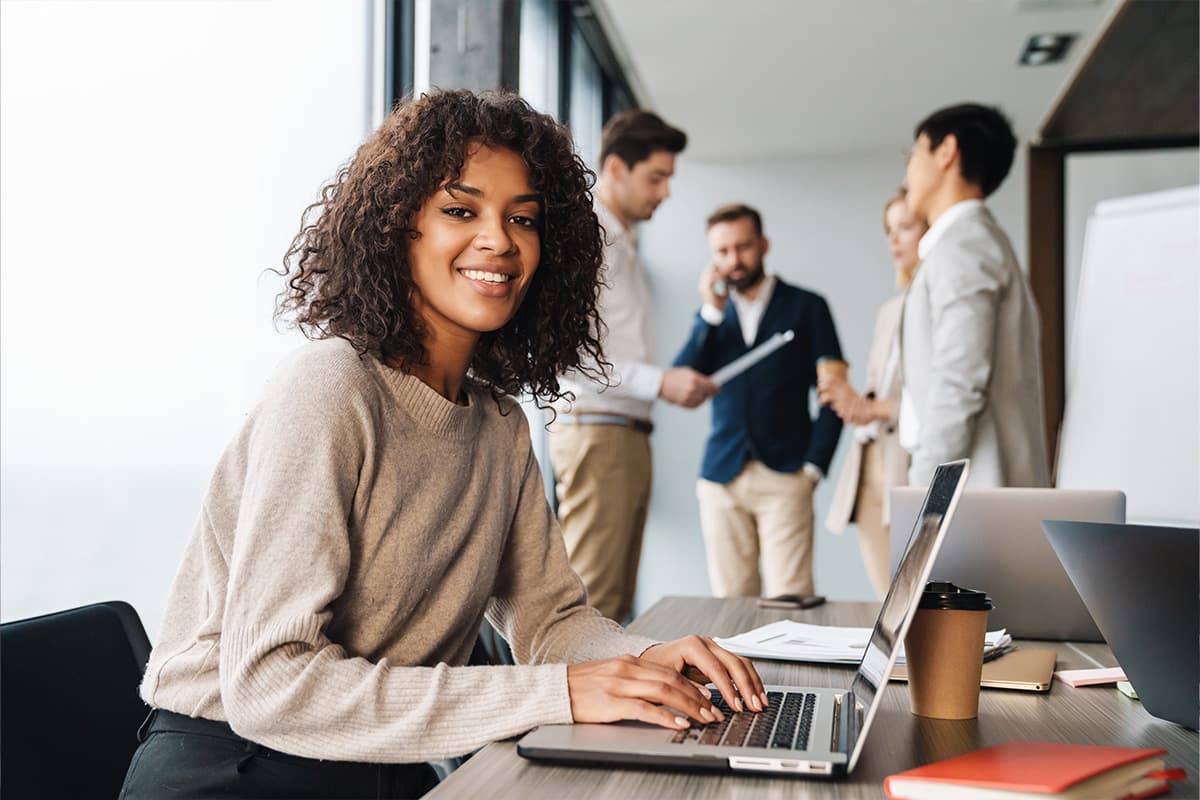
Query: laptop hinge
{"points": [[845, 727]]}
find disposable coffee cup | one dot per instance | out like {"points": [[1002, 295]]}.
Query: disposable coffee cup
{"points": [[829, 367], [944, 651]]}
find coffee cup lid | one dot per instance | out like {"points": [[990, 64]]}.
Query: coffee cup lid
{"points": [[946, 596]]}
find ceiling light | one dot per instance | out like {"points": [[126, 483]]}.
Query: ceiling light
{"points": [[1046, 48]]}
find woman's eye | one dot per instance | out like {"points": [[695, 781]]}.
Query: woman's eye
{"points": [[528, 222], [456, 211]]}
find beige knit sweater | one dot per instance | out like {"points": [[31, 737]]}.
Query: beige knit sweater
{"points": [[355, 532]]}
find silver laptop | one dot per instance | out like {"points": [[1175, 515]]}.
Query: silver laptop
{"points": [[996, 545], [1142, 584], [805, 731]]}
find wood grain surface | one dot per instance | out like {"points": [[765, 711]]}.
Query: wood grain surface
{"points": [[897, 740]]}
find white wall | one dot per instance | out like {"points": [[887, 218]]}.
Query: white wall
{"points": [[1092, 177], [824, 219], [150, 175]]}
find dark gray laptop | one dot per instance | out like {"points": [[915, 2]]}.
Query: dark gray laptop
{"points": [[805, 731], [996, 545], [1142, 584]]}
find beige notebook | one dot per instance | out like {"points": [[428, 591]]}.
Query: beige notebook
{"points": [[1024, 670]]}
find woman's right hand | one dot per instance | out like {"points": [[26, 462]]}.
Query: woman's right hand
{"points": [[848, 404], [626, 687]]}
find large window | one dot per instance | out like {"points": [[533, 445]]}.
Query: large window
{"points": [[155, 158]]}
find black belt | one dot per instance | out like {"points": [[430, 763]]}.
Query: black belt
{"points": [[163, 721], [639, 425]]}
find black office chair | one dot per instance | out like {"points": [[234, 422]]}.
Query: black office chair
{"points": [[69, 706]]}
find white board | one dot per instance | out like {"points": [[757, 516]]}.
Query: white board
{"points": [[1132, 417]]}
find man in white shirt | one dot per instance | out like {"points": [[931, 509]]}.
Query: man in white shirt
{"points": [[600, 442], [969, 332]]}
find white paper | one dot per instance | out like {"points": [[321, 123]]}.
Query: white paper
{"points": [[788, 640], [743, 363]]}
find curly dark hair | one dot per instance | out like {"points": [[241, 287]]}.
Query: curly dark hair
{"points": [[348, 274]]}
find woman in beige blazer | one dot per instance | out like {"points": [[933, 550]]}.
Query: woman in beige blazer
{"points": [[876, 462]]}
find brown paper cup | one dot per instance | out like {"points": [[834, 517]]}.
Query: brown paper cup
{"points": [[833, 368], [944, 656]]}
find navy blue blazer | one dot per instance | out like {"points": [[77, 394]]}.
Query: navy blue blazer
{"points": [[763, 414]]}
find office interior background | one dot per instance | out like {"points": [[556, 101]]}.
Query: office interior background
{"points": [[156, 157]]}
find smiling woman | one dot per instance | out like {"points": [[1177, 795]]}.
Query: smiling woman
{"points": [[354, 276], [383, 498]]}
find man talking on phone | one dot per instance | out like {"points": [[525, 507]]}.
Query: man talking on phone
{"points": [[766, 454]]}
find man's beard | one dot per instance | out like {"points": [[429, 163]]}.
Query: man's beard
{"points": [[749, 280]]}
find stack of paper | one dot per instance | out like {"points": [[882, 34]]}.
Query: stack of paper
{"points": [[788, 640]]}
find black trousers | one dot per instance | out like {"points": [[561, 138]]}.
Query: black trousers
{"points": [[183, 757]]}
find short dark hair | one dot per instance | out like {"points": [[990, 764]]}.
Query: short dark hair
{"points": [[986, 143], [634, 135], [736, 211]]}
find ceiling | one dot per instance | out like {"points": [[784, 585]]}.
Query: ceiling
{"points": [[789, 78]]}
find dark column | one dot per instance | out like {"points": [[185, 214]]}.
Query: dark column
{"points": [[1047, 253], [474, 44]]}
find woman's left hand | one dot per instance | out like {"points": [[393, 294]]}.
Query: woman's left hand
{"points": [[701, 660]]}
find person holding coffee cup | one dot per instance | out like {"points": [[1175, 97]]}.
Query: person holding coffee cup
{"points": [[766, 454], [875, 461]]}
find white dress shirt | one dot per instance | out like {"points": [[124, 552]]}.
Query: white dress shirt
{"points": [[910, 426], [627, 311], [749, 311]]}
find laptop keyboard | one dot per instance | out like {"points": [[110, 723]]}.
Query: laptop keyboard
{"points": [[786, 724]]}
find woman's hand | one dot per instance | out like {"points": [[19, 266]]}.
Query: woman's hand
{"points": [[845, 402], [631, 688], [702, 660]]}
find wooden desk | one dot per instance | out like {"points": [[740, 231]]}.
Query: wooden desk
{"points": [[897, 740]]}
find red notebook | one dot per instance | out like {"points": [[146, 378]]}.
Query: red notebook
{"points": [[1036, 770]]}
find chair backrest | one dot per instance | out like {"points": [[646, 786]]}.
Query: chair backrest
{"points": [[69, 704]]}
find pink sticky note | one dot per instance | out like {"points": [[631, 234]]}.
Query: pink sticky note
{"points": [[1090, 677]]}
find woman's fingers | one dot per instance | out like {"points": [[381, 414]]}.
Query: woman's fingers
{"points": [[599, 691], [666, 691], [648, 712], [662, 687], [734, 669], [735, 677]]}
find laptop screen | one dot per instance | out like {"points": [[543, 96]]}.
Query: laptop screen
{"points": [[905, 593]]}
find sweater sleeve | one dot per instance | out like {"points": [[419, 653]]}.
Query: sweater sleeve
{"points": [[284, 683], [539, 604]]}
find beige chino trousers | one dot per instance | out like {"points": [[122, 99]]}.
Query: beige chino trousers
{"points": [[758, 532], [602, 481]]}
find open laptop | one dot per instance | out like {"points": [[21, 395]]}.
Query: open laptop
{"points": [[996, 545], [1142, 584], [804, 731]]}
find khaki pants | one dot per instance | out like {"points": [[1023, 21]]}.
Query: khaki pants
{"points": [[602, 475], [868, 515], [761, 517]]}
